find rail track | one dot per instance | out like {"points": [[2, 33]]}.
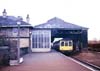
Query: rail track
{"points": [[87, 64]]}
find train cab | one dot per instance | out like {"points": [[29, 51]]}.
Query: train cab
{"points": [[66, 45]]}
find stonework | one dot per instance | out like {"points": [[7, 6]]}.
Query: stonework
{"points": [[13, 50], [9, 28]]}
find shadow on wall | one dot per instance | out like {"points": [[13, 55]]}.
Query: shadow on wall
{"points": [[4, 51]]}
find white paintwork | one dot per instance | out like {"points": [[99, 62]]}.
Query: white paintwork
{"points": [[15, 62], [41, 49], [41, 41]]}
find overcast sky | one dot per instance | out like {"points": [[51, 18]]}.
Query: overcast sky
{"points": [[81, 12]]}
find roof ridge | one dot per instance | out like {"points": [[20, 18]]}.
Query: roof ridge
{"points": [[59, 23], [11, 20]]}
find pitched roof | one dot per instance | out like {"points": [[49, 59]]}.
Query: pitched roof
{"points": [[59, 24], [11, 21]]}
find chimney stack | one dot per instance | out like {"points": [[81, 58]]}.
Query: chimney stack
{"points": [[4, 13], [20, 18], [27, 18]]}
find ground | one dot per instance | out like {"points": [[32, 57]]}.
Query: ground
{"points": [[51, 61], [92, 57]]}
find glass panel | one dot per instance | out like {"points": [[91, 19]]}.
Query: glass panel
{"points": [[66, 43], [33, 41], [46, 40], [62, 43], [41, 39], [37, 39], [70, 43]]}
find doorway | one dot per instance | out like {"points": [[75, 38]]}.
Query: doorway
{"points": [[41, 41]]}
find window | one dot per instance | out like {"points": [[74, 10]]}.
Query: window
{"points": [[62, 43], [70, 43], [66, 43], [14, 32]]}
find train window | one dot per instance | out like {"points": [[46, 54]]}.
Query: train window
{"points": [[66, 43], [62, 43], [70, 43]]}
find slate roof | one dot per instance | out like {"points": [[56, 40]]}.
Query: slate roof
{"points": [[59, 24], [11, 21]]}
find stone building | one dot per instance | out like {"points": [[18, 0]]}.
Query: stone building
{"points": [[15, 30]]}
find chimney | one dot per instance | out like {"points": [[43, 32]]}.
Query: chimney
{"points": [[20, 18], [4, 13], [27, 18]]}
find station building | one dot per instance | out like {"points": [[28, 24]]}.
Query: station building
{"points": [[39, 38], [9, 29], [14, 33]]}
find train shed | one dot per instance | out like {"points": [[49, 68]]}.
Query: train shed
{"points": [[45, 34]]}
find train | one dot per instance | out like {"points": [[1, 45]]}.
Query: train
{"points": [[67, 46]]}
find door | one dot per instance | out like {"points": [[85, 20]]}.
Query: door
{"points": [[41, 40]]}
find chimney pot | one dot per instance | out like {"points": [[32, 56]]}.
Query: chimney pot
{"points": [[27, 18], [4, 13]]}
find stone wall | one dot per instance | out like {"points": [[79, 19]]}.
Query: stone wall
{"points": [[10, 53], [4, 55], [4, 50], [13, 50]]}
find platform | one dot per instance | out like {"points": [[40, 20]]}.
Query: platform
{"points": [[50, 61]]}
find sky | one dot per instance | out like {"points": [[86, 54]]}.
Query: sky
{"points": [[85, 13]]}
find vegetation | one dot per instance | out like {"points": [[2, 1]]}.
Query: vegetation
{"points": [[94, 45]]}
